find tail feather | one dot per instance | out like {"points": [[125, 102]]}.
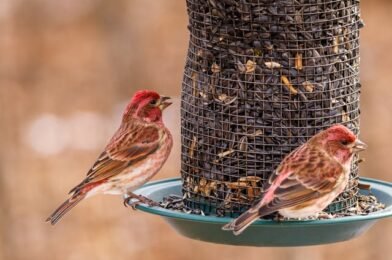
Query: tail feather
{"points": [[239, 224], [64, 208]]}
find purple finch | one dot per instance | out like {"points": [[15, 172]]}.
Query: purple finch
{"points": [[136, 152], [307, 180]]}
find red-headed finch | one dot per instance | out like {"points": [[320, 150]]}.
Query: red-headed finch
{"points": [[307, 180], [135, 153]]}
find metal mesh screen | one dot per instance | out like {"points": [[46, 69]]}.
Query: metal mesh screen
{"points": [[262, 77]]}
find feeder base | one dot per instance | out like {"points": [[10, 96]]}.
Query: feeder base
{"points": [[266, 232]]}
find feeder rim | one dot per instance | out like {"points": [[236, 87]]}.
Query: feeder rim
{"points": [[145, 189]]}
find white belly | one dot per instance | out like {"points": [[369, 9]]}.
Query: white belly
{"points": [[128, 180], [310, 211]]}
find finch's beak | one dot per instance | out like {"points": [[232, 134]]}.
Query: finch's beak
{"points": [[359, 146], [164, 103]]}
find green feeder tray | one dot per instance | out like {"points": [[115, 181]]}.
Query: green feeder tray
{"points": [[266, 232]]}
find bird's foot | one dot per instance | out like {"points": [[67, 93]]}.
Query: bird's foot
{"points": [[149, 202], [134, 200], [325, 215]]}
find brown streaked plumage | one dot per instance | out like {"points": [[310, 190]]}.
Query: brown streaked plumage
{"points": [[135, 153], [307, 180]]}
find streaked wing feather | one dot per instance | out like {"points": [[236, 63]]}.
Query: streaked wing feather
{"points": [[313, 174], [129, 145], [133, 142], [278, 203]]}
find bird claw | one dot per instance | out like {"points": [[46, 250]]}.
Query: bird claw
{"points": [[128, 202], [325, 215], [139, 199], [134, 204]]}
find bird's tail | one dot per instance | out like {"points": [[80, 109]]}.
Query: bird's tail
{"points": [[239, 224], [64, 208]]}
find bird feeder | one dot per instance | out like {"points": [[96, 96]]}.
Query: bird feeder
{"points": [[261, 78]]}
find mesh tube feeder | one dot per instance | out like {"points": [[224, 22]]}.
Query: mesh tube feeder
{"points": [[261, 78]]}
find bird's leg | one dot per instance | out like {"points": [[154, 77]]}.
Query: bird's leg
{"points": [[139, 199], [148, 201]]}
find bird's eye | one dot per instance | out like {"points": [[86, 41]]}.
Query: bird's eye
{"points": [[344, 142], [153, 102]]}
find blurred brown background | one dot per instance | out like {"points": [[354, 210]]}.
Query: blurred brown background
{"points": [[67, 68]]}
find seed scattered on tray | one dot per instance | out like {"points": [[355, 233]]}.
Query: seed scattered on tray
{"points": [[366, 204]]}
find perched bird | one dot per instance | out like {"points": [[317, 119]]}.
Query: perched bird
{"points": [[135, 153], [307, 180]]}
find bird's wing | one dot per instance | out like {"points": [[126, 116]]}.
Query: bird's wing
{"points": [[130, 144], [306, 174]]}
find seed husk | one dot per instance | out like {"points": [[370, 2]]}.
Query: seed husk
{"points": [[215, 68], [298, 61], [288, 84], [308, 86], [192, 147], [272, 65], [250, 66]]}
